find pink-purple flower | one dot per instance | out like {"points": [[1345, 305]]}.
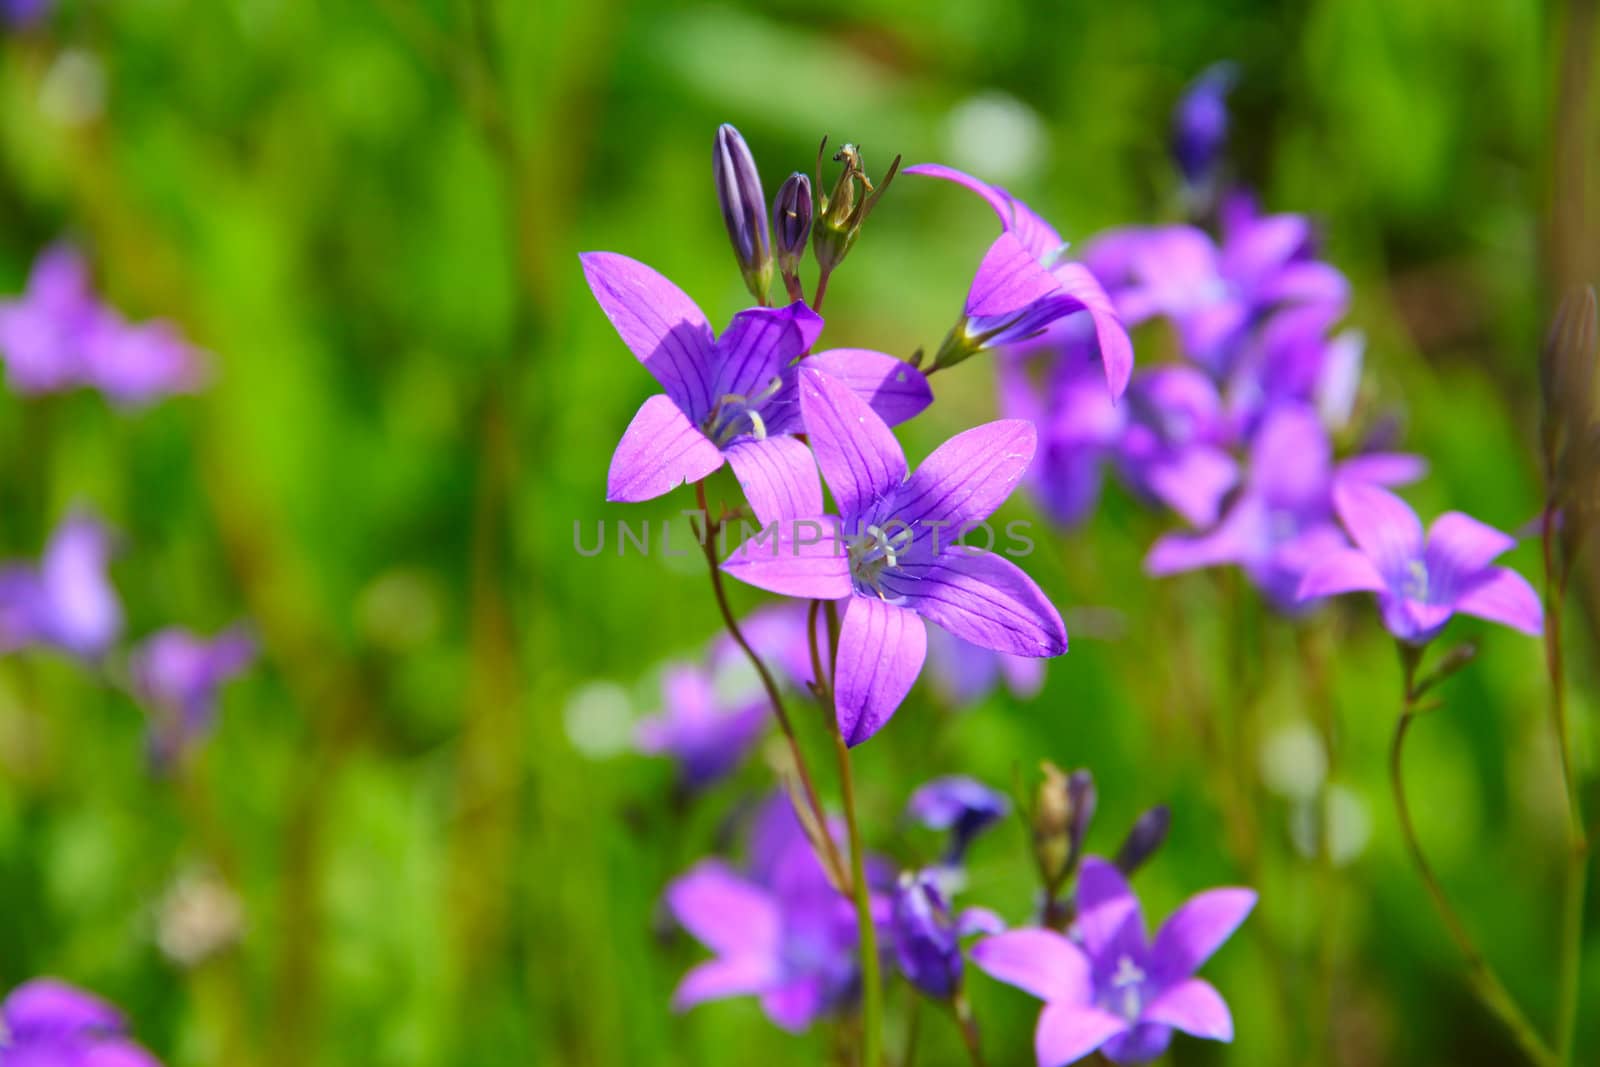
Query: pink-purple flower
{"points": [[1025, 285], [890, 554], [66, 600], [1108, 987], [48, 1023], [707, 735], [176, 675], [1421, 581], [730, 398]]}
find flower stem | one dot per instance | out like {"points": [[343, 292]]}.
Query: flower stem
{"points": [[822, 290], [1577, 859], [1485, 982], [708, 544], [867, 933], [962, 1008]]}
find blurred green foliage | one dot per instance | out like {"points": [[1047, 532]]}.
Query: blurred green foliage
{"points": [[371, 211]]}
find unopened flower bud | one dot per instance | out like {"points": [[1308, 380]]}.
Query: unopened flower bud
{"points": [[841, 213], [1148, 834], [791, 226], [744, 209], [924, 936], [1062, 809]]}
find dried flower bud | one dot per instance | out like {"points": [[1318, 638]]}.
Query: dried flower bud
{"points": [[1062, 809], [841, 213], [1148, 834], [744, 209]]}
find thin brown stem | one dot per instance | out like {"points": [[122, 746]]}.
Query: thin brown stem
{"points": [[708, 544]]}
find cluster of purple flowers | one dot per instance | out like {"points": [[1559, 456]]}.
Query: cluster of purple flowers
{"points": [[58, 335], [1239, 435], [46, 1023]]}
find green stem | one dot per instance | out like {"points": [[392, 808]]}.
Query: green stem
{"points": [[962, 1008], [1577, 857], [1485, 982], [871, 983], [708, 544]]}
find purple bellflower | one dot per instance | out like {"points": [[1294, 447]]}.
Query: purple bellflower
{"points": [[965, 673], [176, 676], [730, 398], [707, 736], [1025, 284], [59, 336], [1200, 123], [780, 932], [47, 1023], [66, 600], [1174, 447], [963, 806], [1421, 581], [1282, 522], [926, 934], [886, 555], [1110, 989], [1214, 293]]}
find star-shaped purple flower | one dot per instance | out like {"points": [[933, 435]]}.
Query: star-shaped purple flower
{"points": [[1422, 581], [47, 1023], [780, 932], [66, 600], [707, 736], [1110, 989], [890, 553], [730, 398], [1025, 284], [176, 676]]}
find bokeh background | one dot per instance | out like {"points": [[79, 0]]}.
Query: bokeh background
{"points": [[417, 802]]}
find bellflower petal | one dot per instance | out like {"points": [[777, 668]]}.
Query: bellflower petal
{"points": [[1458, 544], [1192, 481], [1116, 349], [967, 478], [1140, 1043], [1105, 905], [891, 387], [81, 611], [795, 1004], [659, 451], [761, 342], [715, 979], [779, 478], [1036, 235], [1343, 571], [1381, 524], [723, 911], [1196, 930], [881, 649], [795, 557], [983, 599], [658, 322], [860, 459], [1009, 278], [1042, 963], [1505, 597], [1195, 1007], [1067, 1032]]}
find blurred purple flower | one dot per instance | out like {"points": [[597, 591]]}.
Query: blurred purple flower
{"points": [[1200, 123], [1025, 284], [707, 736], [47, 1023], [777, 633], [1174, 446], [21, 14], [966, 673], [780, 932], [66, 600], [59, 336], [1111, 990], [901, 565], [731, 398], [1282, 523], [964, 806], [926, 934], [175, 675], [1421, 582], [1213, 293]]}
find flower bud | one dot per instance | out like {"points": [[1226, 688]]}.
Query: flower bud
{"points": [[1062, 809], [791, 220], [1200, 123], [841, 213], [744, 209], [1148, 834], [926, 943]]}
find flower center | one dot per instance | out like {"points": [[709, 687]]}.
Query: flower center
{"points": [[1127, 992], [1415, 586], [735, 414], [874, 550]]}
